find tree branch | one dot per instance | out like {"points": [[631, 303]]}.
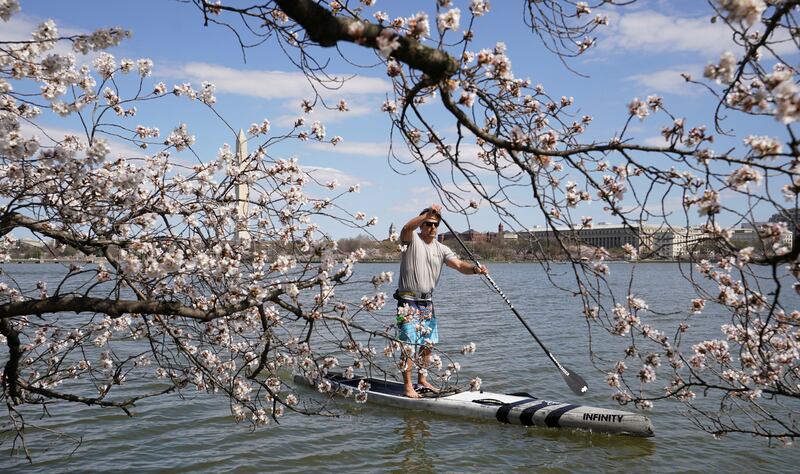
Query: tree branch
{"points": [[116, 308], [327, 30], [11, 371]]}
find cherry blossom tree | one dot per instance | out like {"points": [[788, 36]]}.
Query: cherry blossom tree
{"points": [[195, 285], [200, 288], [743, 379]]}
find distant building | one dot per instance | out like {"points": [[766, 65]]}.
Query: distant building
{"points": [[649, 241], [600, 235], [467, 236], [749, 236], [677, 242], [745, 236], [655, 241], [502, 234], [32, 242], [787, 215], [792, 219]]}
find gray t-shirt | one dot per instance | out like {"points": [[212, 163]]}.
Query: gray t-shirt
{"points": [[421, 264]]}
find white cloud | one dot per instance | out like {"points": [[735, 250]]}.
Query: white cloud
{"points": [[651, 32], [656, 140], [655, 32], [326, 115], [325, 175], [370, 149], [17, 28], [670, 81], [48, 136], [21, 26], [271, 84], [467, 156]]}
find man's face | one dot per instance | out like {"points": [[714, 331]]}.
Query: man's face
{"points": [[430, 227]]}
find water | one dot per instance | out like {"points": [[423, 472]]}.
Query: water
{"points": [[197, 434]]}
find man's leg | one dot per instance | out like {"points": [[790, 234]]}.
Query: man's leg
{"points": [[425, 358], [408, 333], [430, 337], [408, 364]]}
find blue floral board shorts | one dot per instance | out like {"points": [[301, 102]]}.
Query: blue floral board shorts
{"points": [[416, 322]]}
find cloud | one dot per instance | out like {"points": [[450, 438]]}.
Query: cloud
{"points": [[272, 84], [325, 175], [17, 28], [653, 32], [467, 157], [48, 136], [669, 81], [656, 140], [21, 26], [369, 149], [357, 109]]}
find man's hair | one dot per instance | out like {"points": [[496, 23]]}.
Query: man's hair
{"points": [[425, 211]]}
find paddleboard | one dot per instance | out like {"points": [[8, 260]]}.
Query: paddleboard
{"points": [[517, 408]]}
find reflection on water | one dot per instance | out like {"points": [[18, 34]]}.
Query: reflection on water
{"points": [[413, 434]]}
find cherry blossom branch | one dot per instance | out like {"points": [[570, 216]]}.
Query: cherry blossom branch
{"points": [[11, 382], [450, 105], [124, 405], [328, 30], [117, 308]]}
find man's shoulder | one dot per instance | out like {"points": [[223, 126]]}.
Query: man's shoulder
{"points": [[414, 239], [441, 245], [446, 251]]}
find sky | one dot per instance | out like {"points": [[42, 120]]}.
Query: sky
{"points": [[642, 52]]}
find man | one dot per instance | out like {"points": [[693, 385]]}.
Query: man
{"points": [[420, 268]]}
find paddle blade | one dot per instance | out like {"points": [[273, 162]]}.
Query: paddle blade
{"points": [[575, 382]]}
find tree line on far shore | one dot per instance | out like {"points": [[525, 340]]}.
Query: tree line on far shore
{"points": [[516, 250]]}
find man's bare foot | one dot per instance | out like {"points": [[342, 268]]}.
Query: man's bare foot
{"points": [[411, 393], [428, 385]]}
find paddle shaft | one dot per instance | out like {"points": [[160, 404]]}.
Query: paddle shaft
{"points": [[564, 372]]}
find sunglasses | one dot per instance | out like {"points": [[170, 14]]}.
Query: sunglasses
{"points": [[430, 224]]}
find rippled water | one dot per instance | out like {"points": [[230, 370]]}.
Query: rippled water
{"points": [[196, 434]]}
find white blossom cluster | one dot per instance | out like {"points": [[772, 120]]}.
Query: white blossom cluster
{"points": [[215, 311]]}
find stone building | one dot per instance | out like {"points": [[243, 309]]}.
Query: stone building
{"points": [[470, 235], [650, 241], [603, 235], [676, 242], [792, 219], [749, 237]]}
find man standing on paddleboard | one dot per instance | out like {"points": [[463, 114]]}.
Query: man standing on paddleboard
{"points": [[420, 268]]}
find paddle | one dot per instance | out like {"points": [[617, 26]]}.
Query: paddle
{"points": [[574, 381]]}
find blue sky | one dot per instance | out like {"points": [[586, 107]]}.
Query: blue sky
{"points": [[641, 52]]}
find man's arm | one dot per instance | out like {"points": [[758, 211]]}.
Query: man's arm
{"points": [[407, 232], [467, 268]]}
